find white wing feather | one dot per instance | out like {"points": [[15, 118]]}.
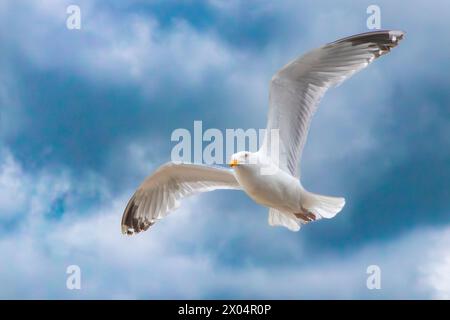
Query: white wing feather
{"points": [[297, 88], [160, 193]]}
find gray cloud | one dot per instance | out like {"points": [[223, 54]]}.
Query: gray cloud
{"points": [[100, 104], [170, 262]]}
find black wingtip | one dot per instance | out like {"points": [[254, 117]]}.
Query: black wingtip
{"points": [[131, 225], [381, 40], [384, 38], [127, 218]]}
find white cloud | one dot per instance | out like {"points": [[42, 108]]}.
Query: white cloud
{"points": [[109, 49], [172, 260], [25, 194], [12, 186], [436, 268]]}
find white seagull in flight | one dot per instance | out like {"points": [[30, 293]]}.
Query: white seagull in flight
{"points": [[295, 92]]}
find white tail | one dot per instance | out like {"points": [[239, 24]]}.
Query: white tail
{"points": [[322, 206], [285, 219]]}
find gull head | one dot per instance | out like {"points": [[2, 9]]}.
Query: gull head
{"points": [[243, 158]]}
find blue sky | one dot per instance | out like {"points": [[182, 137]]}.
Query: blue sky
{"points": [[86, 114]]}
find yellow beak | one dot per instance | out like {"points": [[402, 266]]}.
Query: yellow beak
{"points": [[233, 163]]}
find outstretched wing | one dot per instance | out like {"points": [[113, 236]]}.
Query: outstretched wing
{"points": [[296, 89], [160, 193]]}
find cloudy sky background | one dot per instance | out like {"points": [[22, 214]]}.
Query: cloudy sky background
{"points": [[85, 115]]}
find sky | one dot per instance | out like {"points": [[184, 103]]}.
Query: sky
{"points": [[86, 115]]}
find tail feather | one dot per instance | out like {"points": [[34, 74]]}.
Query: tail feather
{"points": [[285, 219], [322, 206], [315, 207]]}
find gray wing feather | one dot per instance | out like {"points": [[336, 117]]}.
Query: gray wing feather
{"points": [[297, 88], [161, 192]]}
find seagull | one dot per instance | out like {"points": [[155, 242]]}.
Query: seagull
{"points": [[295, 92]]}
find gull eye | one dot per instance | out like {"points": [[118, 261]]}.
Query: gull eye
{"points": [[246, 155]]}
